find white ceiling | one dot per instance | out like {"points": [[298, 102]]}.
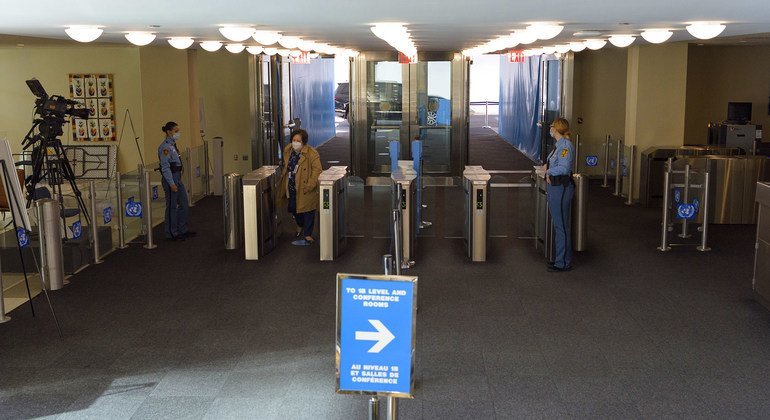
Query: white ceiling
{"points": [[436, 25]]}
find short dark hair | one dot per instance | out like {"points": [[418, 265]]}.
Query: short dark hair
{"points": [[302, 133], [169, 126]]}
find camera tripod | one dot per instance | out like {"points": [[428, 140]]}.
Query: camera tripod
{"points": [[50, 163]]}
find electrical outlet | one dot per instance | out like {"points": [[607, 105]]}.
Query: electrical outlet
{"points": [[245, 157], [235, 157]]}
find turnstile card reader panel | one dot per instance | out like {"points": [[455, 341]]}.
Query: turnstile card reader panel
{"points": [[476, 189], [332, 231], [407, 178], [261, 224]]}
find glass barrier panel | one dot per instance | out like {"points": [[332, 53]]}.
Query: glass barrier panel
{"points": [[157, 196], [131, 188]]}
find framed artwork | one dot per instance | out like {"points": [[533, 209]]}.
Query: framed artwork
{"points": [[95, 92]]}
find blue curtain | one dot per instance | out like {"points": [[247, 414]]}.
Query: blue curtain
{"points": [[312, 98], [520, 107]]}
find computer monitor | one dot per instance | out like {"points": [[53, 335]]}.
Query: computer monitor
{"points": [[738, 112]]}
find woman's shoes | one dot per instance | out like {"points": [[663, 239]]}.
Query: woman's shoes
{"points": [[303, 242]]}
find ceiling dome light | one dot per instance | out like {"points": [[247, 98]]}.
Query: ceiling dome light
{"points": [[211, 46], [563, 48], [235, 48], [236, 33], [283, 52], [84, 33], [271, 51], [289, 42], [254, 50], [295, 53], [181, 43], [577, 46], [313, 55], [622, 41], [266, 37], [705, 30], [595, 44], [140, 39], [656, 36], [524, 36], [545, 30]]}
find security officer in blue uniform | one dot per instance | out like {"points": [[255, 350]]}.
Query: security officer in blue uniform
{"points": [[177, 206], [560, 190]]}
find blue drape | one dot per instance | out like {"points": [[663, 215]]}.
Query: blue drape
{"points": [[520, 107], [312, 98]]}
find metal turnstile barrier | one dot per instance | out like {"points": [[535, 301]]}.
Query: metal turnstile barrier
{"points": [[476, 189], [333, 208], [49, 223], [261, 224], [404, 191], [232, 206], [685, 202]]}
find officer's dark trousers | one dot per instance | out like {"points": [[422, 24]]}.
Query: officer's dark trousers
{"points": [[559, 200], [177, 207], [304, 220]]}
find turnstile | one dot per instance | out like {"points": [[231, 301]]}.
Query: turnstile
{"points": [[476, 189], [332, 233], [761, 281], [232, 207], [261, 224], [404, 196], [544, 232]]}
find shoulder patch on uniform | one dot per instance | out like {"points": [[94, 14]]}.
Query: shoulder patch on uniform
{"points": [[564, 152], [165, 152]]}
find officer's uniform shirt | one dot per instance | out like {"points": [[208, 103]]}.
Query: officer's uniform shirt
{"points": [[169, 157], [560, 159]]}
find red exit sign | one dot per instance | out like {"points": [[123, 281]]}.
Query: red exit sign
{"points": [[516, 56]]}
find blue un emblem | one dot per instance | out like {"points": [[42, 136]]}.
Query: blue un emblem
{"points": [[77, 230], [592, 160], [677, 195], [107, 215], [133, 208], [22, 236], [685, 211]]}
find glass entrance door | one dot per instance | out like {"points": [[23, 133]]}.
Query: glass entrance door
{"points": [[404, 102]]}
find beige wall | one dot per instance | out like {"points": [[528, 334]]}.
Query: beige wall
{"points": [[600, 94], [165, 97], [717, 75], [52, 66], [223, 86]]}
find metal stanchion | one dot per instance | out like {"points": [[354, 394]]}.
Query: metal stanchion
{"points": [[94, 223], [666, 192], [189, 178], [704, 233], [486, 115], [3, 316], [147, 210], [387, 262], [618, 168], [121, 220], [576, 161], [51, 256], [631, 180], [207, 182], [374, 408], [391, 408], [397, 239], [606, 160], [685, 199]]}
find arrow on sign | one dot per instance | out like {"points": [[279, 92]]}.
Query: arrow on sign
{"points": [[383, 336]]}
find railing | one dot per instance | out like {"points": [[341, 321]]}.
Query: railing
{"points": [[607, 159]]}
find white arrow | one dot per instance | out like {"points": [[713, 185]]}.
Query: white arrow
{"points": [[383, 336]]}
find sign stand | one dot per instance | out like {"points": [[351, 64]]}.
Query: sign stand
{"points": [[376, 320]]}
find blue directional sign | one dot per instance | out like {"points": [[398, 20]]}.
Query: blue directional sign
{"points": [[686, 211], [677, 195], [107, 215], [77, 230], [592, 160], [133, 208], [23, 237], [154, 192], [375, 334]]}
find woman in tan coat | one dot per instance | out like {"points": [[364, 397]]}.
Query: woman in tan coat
{"points": [[299, 183]]}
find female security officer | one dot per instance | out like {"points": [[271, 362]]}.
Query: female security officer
{"points": [[177, 206], [560, 190]]}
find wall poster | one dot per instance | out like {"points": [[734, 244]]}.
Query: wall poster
{"points": [[95, 92]]}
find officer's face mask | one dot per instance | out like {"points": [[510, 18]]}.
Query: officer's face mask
{"points": [[175, 136], [553, 132], [296, 145]]}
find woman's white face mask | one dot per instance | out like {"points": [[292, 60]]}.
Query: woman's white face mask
{"points": [[296, 145], [553, 132]]}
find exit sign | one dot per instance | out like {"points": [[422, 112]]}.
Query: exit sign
{"points": [[516, 56], [404, 59]]}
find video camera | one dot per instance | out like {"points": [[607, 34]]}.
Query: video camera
{"points": [[54, 106]]}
